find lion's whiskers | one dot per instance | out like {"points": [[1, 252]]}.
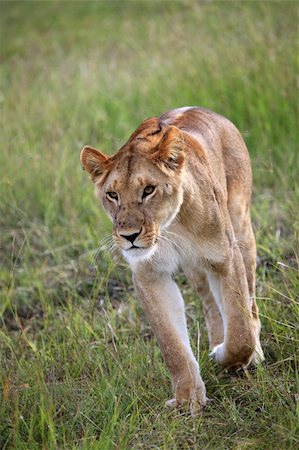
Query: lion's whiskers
{"points": [[177, 245], [170, 244], [106, 245]]}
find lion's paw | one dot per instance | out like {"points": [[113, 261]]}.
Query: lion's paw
{"points": [[233, 360], [218, 354], [171, 403], [194, 404], [258, 356]]}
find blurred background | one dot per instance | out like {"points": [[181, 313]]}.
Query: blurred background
{"points": [[77, 73]]}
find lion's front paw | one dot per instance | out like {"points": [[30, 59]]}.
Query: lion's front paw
{"points": [[258, 356], [194, 404], [229, 360], [235, 356], [190, 392], [171, 403]]}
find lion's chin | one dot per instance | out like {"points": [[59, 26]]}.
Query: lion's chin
{"points": [[135, 255]]}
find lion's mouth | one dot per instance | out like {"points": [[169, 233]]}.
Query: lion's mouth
{"points": [[137, 247], [135, 253]]}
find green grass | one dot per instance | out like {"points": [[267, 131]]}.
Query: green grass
{"points": [[79, 365]]}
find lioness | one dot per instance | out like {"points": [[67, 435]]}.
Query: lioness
{"points": [[178, 194]]}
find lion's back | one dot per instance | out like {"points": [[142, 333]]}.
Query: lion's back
{"points": [[222, 143]]}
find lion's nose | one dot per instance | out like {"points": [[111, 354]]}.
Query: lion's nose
{"points": [[131, 237]]}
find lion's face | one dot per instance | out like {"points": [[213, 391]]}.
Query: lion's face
{"points": [[140, 188], [141, 200]]}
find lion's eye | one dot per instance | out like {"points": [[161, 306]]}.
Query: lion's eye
{"points": [[148, 190], [112, 195]]}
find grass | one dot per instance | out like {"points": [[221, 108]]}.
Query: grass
{"points": [[79, 365]]}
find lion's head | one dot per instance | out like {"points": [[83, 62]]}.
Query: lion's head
{"points": [[140, 186]]}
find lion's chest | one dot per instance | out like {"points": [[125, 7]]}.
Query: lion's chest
{"points": [[179, 251]]}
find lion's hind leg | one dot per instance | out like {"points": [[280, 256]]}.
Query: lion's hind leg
{"points": [[246, 242]]}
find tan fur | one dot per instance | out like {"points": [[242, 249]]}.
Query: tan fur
{"points": [[194, 214]]}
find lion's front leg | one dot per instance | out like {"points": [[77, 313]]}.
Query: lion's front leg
{"points": [[164, 309], [230, 289]]}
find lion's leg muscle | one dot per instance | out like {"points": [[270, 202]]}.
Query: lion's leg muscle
{"points": [[164, 309], [230, 289], [199, 281], [246, 241]]}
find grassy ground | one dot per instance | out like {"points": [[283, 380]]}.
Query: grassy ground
{"points": [[79, 365]]}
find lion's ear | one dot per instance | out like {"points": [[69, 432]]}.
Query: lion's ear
{"points": [[93, 161], [171, 149]]}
